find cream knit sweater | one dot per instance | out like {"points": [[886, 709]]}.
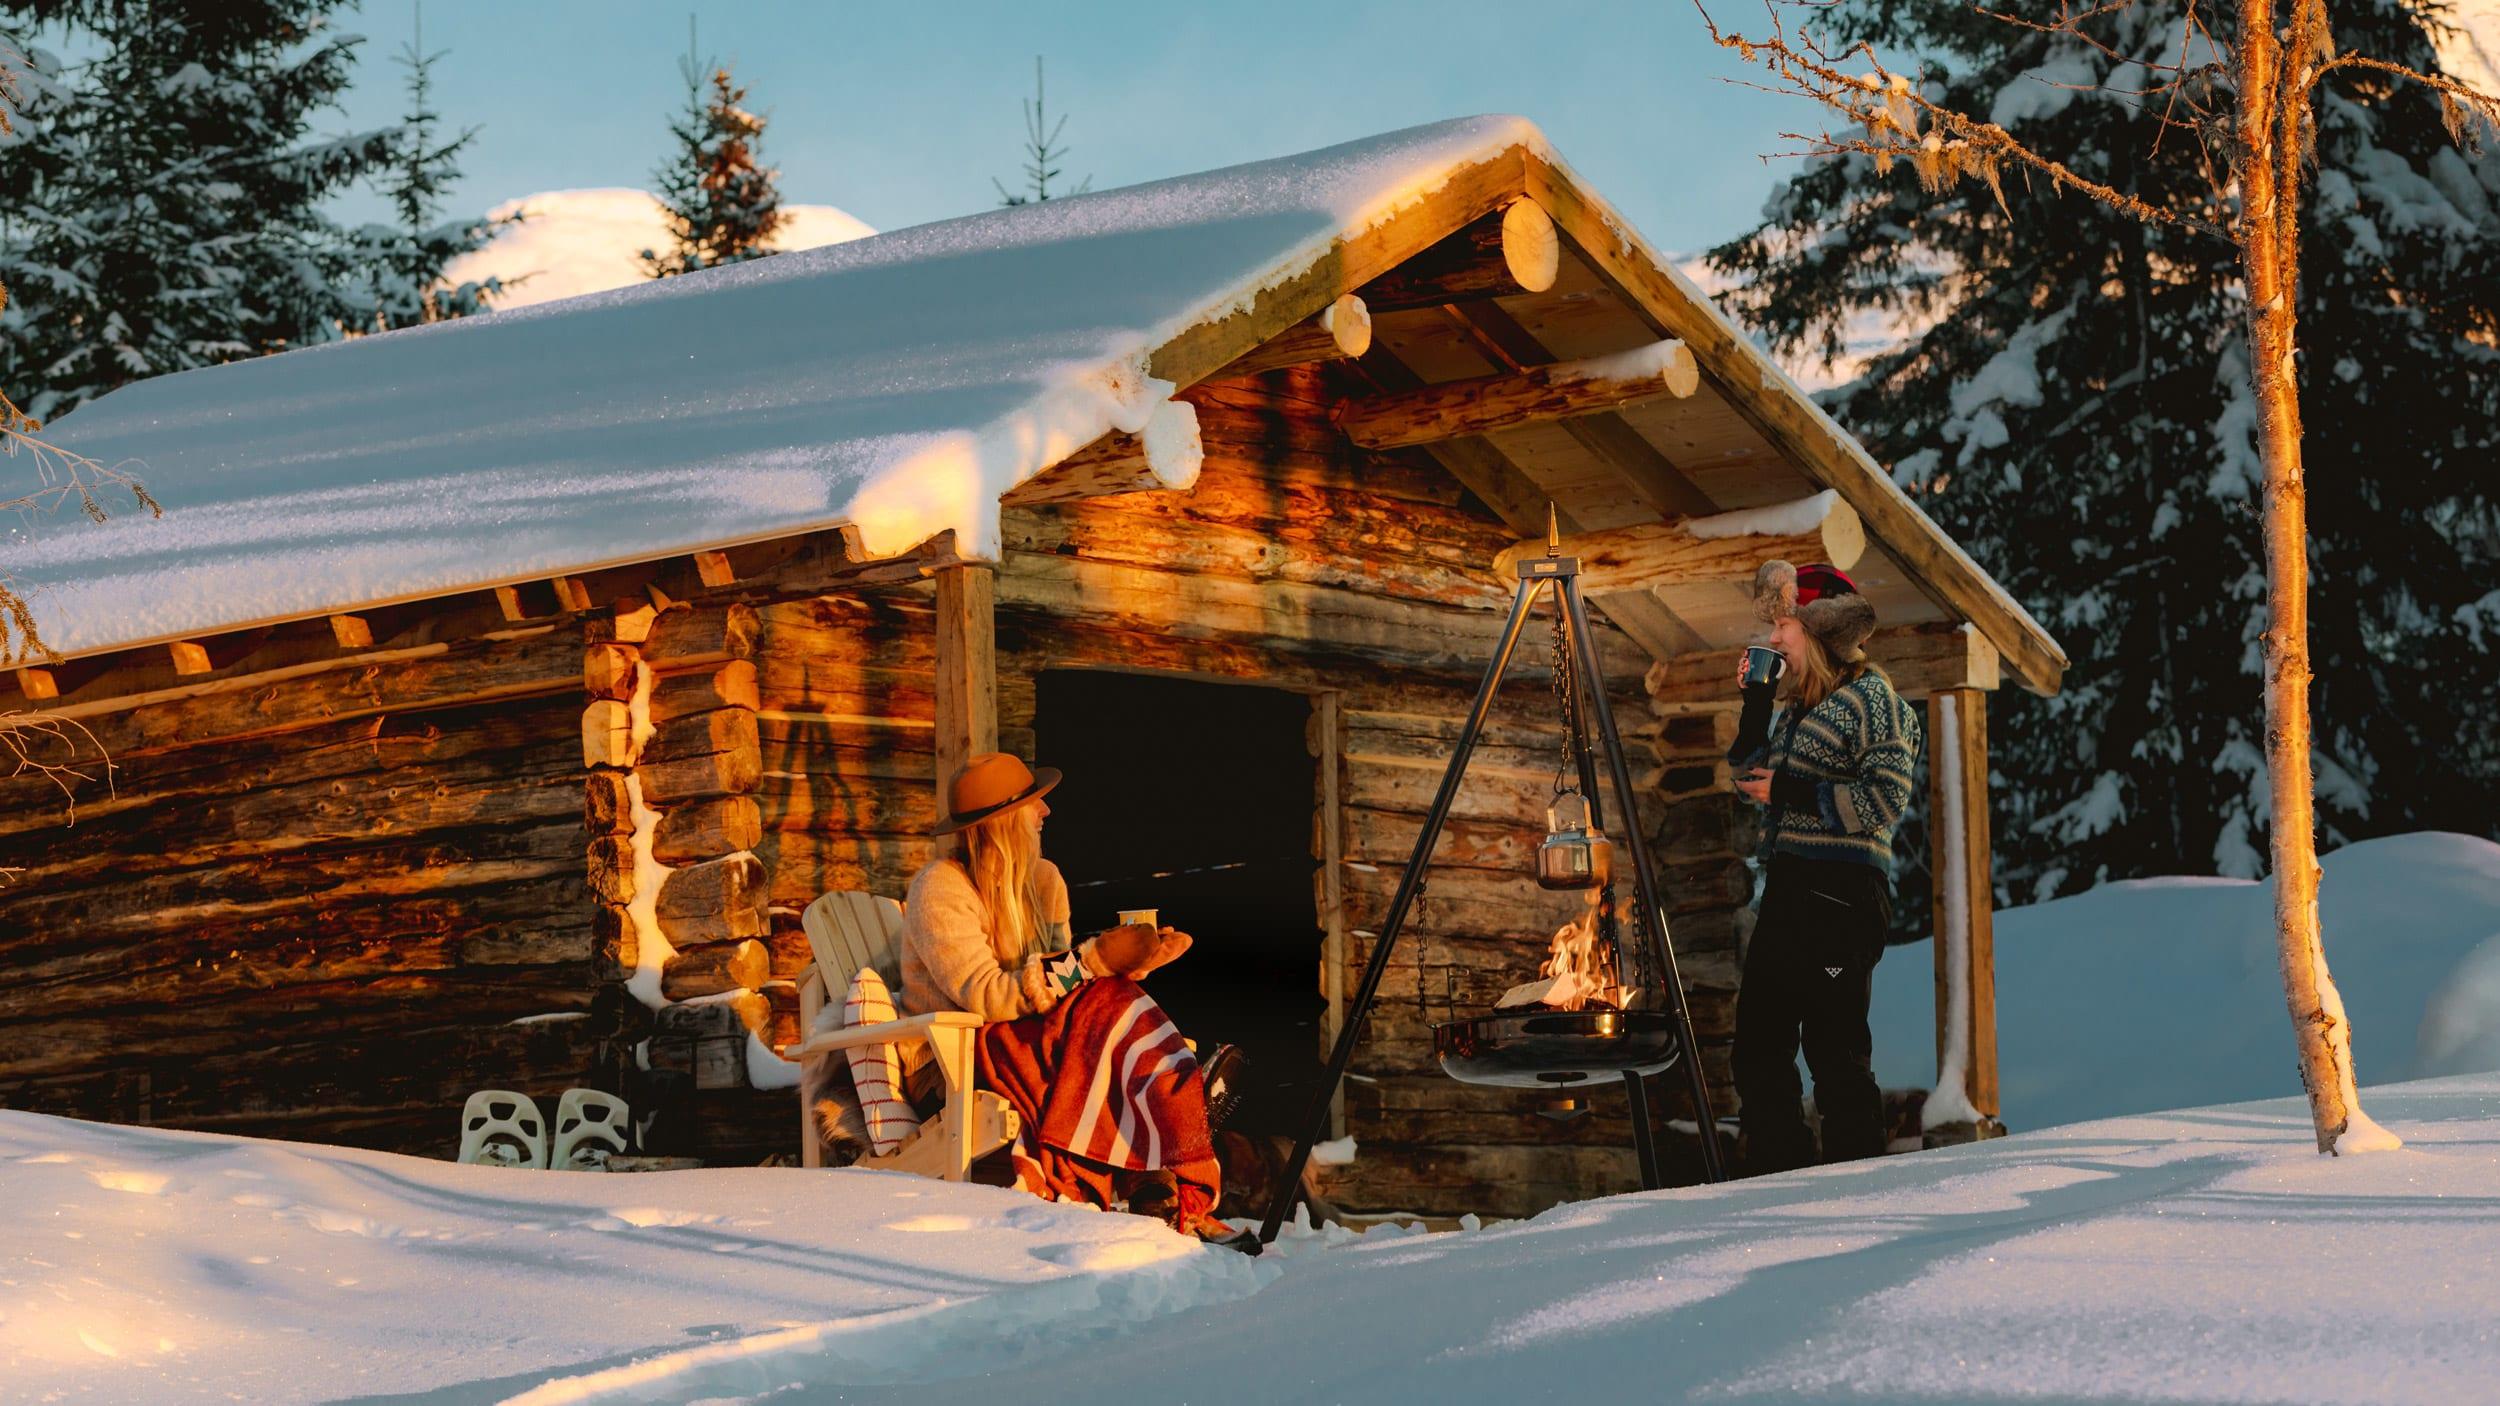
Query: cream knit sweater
{"points": [[949, 963]]}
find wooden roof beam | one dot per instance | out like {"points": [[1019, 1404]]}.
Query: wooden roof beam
{"points": [[1921, 659], [1167, 454], [1504, 255], [1726, 547], [1531, 395], [1338, 331]]}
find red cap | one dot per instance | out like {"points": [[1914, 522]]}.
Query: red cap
{"points": [[1817, 580]]}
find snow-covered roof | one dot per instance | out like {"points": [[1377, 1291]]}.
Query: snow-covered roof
{"points": [[892, 387], [897, 384]]}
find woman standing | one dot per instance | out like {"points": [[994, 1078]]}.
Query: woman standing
{"points": [[1109, 1094], [1835, 772]]}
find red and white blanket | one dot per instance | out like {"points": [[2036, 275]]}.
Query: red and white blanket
{"points": [[1104, 1083]]}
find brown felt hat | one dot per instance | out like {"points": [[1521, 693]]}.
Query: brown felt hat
{"points": [[990, 783]]}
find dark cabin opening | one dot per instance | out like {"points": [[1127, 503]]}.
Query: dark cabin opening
{"points": [[1196, 799]]}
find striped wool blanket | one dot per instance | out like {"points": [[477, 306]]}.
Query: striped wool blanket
{"points": [[1104, 1084]]}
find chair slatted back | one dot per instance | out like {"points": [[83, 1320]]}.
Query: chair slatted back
{"points": [[849, 930]]}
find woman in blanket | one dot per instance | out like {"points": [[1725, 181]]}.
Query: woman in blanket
{"points": [[1835, 774], [1110, 1095]]}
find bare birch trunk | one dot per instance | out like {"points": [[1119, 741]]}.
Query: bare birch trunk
{"points": [[2270, 117]]}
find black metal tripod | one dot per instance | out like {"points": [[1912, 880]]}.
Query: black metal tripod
{"points": [[1535, 574]]}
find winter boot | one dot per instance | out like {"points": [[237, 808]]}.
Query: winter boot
{"points": [[1156, 1193]]}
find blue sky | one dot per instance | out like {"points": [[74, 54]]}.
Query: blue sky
{"points": [[901, 114]]}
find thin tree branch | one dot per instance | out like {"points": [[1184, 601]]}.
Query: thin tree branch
{"points": [[1889, 102]]}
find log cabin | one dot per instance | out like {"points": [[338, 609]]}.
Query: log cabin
{"points": [[492, 696]]}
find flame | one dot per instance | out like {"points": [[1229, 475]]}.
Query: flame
{"points": [[1581, 964]]}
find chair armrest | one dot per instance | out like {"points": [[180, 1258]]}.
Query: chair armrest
{"points": [[910, 1027]]}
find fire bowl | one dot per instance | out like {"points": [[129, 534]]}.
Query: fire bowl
{"points": [[1554, 1049]]}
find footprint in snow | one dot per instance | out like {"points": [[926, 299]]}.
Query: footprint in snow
{"points": [[1126, 1252], [646, 1217], [933, 1223]]}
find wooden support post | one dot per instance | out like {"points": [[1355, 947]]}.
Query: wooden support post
{"points": [[1960, 863], [967, 669], [1328, 746]]}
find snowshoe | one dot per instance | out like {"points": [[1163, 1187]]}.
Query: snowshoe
{"points": [[1214, 1231], [1220, 1073]]}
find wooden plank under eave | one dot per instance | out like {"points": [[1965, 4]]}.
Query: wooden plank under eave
{"points": [[1608, 436], [1522, 507], [1793, 423]]}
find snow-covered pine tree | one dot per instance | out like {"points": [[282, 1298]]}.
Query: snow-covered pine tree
{"points": [[2071, 400], [1042, 152], [406, 260], [722, 206], [167, 212], [33, 743]]}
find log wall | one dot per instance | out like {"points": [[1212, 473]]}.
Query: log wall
{"points": [[325, 906], [1301, 562]]}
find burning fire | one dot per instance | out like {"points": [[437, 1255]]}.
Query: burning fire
{"points": [[1578, 971]]}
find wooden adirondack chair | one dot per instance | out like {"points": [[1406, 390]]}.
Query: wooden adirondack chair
{"points": [[848, 931]]}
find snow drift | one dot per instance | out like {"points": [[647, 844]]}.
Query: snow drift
{"points": [[2158, 993]]}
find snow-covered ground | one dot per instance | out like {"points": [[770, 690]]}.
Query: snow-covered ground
{"points": [[2200, 1256], [2163, 993], [145, 1266]]}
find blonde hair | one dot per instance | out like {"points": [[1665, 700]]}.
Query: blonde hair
{"points": [[1817, 677], [1823, 676], [1003, 854]]}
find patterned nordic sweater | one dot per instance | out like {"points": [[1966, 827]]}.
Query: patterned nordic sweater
{"points": [[1843, 777]]}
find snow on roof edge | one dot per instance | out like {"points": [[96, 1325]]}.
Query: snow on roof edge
{"points": [[926, 485]]}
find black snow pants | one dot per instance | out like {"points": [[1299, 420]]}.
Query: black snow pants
{"points": [[1810, 973]]}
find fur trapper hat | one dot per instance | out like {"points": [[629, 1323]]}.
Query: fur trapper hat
{"points": [[1825, 601]]}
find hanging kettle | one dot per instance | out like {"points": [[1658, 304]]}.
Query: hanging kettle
{"points": [[1575, 853]]}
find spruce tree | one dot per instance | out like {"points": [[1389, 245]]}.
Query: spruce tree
{"points": [[405, 261], [169, 213], [1042, 152], [722, 206], [2074, 406]]}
